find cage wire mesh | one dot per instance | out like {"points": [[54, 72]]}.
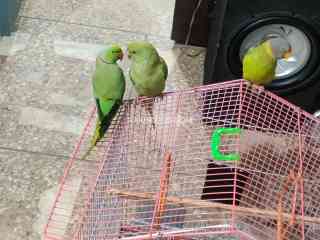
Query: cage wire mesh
{"points": [[147, 181]]}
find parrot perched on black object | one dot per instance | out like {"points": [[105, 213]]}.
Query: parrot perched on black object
{"points": [[148, 71], [260, 62]]}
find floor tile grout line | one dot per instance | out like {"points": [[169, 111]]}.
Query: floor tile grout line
{"points": [[94, 26], [38, 153]]}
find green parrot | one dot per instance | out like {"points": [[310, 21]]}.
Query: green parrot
{"points": [[148, 71], [109, 85], [260, 62]]}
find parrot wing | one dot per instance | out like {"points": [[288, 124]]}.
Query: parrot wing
{"points": [[149, 79], [108, 82]]}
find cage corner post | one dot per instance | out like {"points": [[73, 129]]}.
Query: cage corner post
{"points": [[301, 173], [234, 197]]}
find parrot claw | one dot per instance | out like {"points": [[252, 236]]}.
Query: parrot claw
{"points": [[96, 137], [161, 95], [141, 98], [249, 84], [257, 88], [252, 86]]}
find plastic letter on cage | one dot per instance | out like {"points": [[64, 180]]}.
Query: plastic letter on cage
{"points": [[216, 142]]}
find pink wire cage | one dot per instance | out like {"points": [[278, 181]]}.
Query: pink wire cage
{"points": [[146, 180]]}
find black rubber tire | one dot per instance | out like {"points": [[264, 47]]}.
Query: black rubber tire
{"points": [[297, 82]]}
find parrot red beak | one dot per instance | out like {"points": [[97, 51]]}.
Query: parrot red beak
{"points": [[287, 54]]}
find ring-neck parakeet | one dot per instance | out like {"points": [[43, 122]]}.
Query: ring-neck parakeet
{"points": [[148, 70], [260, 62], [108, 88]]}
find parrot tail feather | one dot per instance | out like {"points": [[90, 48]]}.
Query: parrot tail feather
{"points": [[97, 134], [101, 128], [87, 153], [94, 140]]}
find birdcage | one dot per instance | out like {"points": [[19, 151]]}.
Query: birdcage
{"points": [[224, 161]]}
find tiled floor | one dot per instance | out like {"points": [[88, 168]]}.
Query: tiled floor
{"points": [[45, 91]]}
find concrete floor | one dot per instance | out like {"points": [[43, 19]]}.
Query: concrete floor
{"points": [[45, 92]]}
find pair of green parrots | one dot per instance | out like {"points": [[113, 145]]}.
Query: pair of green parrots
{"points": [[148, 73]]}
